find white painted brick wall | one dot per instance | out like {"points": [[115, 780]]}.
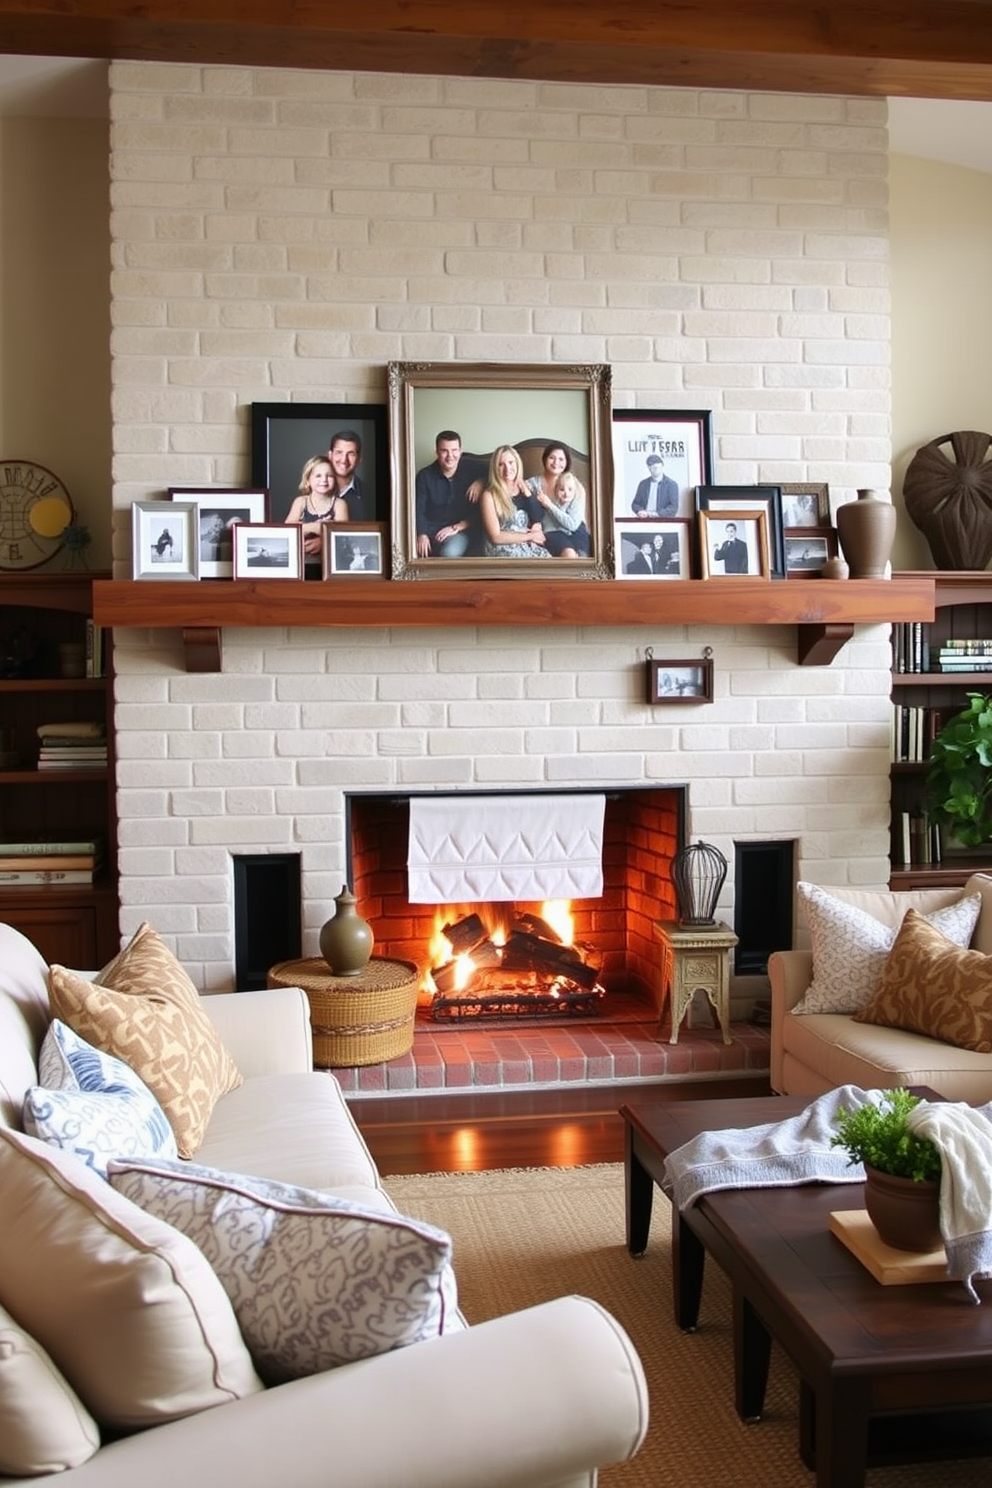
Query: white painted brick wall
{"points": [[282, 235]]}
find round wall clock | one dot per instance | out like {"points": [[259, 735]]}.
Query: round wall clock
{"points": [[35, 510]]}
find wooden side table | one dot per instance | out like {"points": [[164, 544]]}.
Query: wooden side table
{"points": [[356, 1020], [696, 959]]}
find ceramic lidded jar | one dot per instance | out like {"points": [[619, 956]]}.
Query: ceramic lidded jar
{"points": [[346, 939], [866, 529]]}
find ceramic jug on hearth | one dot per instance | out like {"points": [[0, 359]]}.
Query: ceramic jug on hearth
{"points": [[346, 939]]}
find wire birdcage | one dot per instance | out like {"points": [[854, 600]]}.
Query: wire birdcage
{"points": [[698, 873]]}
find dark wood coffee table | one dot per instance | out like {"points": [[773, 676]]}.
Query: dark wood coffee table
{"points": [[866, 1354]]}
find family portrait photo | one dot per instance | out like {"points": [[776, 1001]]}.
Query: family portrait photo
{"points": [[321, 462], [498, 470]]}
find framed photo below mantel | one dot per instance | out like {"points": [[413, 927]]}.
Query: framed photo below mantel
{"points": [[500, 470]]}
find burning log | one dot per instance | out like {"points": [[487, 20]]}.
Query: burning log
{"points": [[527, 952], [464, 935]]}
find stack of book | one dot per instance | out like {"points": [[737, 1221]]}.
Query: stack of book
{"points": [[965, 656], [50, 862], [72, 746]]}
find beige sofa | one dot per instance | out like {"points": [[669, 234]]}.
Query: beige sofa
{"points": [[539, 1399], [816, 1052]]}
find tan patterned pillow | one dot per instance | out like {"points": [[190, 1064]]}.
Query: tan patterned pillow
{"points": [[144, 1009], [931, 986]]}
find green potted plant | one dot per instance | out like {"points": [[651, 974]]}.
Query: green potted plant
{"points": [[959, 780], [902, 1170]]}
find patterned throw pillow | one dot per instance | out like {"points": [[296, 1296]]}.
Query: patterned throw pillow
{"points": [[314, 1281], [93, 1104], [127, 1308], [44, 1426], [850, 947], [933, 987], [144, 1009]]}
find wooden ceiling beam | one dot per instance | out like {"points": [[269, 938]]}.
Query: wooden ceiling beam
{"points": [[923, 48]]}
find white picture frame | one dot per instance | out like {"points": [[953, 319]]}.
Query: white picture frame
{"points": [[164, 540], [217, 511], [268, 550]]}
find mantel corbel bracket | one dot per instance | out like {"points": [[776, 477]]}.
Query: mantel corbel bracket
{"points": [[817, 645], [202, 646]]}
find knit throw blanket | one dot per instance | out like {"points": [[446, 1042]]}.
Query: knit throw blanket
{"points": [[798, 1150]]}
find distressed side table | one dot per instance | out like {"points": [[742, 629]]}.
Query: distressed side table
{"points": [[696, 959]]}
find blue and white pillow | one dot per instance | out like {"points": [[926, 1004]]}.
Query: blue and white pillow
{"points": [[93, 1104]]}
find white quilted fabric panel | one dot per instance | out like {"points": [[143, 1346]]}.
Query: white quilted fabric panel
{"points": [[503, 848]]}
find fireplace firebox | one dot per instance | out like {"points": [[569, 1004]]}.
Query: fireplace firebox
{"points": [[524, 963]]}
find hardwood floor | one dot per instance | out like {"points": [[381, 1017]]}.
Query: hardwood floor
{"points": [[560, 1128]]}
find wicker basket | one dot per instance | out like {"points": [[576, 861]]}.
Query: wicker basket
{"points": [[364, 1019]]}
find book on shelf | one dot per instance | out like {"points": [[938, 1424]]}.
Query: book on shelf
{"points": [[919, 840], [42, 847], [80, 728], [47, 861], [16, 876], [95, 664]]}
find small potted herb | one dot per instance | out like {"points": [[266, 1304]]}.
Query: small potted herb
{"points": [[959, 780], [902, 1170]]}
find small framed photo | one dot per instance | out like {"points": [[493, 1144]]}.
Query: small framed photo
{"points": [[164, 540], [653, 550], [807, 550], [752, 498], [268, 550], [217, 512], [680, 681], [805, 505], [733, 544], [354, 550], [659, 458]]}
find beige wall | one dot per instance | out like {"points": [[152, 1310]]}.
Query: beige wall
{"points": [[941, 260], [55, 309]]}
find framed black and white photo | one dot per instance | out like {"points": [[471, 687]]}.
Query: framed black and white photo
{"points": [[164, 540], [767, 499], [268, 550], [733, 543], [653, 550], [352, 437], [805, 505], [659, 458], [679, 681], [354, 550], [217, 513], [807, 550], [499, 470]]}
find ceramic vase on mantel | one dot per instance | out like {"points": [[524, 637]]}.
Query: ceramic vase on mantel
{"points": [[346, 939], [866, 529]]}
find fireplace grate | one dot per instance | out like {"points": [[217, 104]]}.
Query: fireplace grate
{"points": [[581, 1001]]}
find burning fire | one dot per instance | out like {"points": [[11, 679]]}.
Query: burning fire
{"points": [[498, 920]]}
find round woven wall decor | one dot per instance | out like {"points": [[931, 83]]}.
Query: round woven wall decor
{"points": [[948, 494]]}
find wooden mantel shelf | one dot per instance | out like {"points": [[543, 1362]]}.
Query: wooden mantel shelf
{"points": [[823, 611]]}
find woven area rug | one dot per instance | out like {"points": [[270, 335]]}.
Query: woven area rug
{"points": [[523, 1236]]}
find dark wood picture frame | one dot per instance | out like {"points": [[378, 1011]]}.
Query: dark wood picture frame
{"points": [[752, 498], [807, 549], [344, 543], [679, 681]]}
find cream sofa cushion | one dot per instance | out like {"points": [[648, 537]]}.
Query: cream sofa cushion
{"points": [[315, 1281], [850, 946], [44, 1426], [128, 1309], [144, 1009]]}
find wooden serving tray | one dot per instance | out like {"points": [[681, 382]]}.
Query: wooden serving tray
{"points": [[890, 1267]]}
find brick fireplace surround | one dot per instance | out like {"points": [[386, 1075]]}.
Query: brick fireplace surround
{"points": [[284, 235]]}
